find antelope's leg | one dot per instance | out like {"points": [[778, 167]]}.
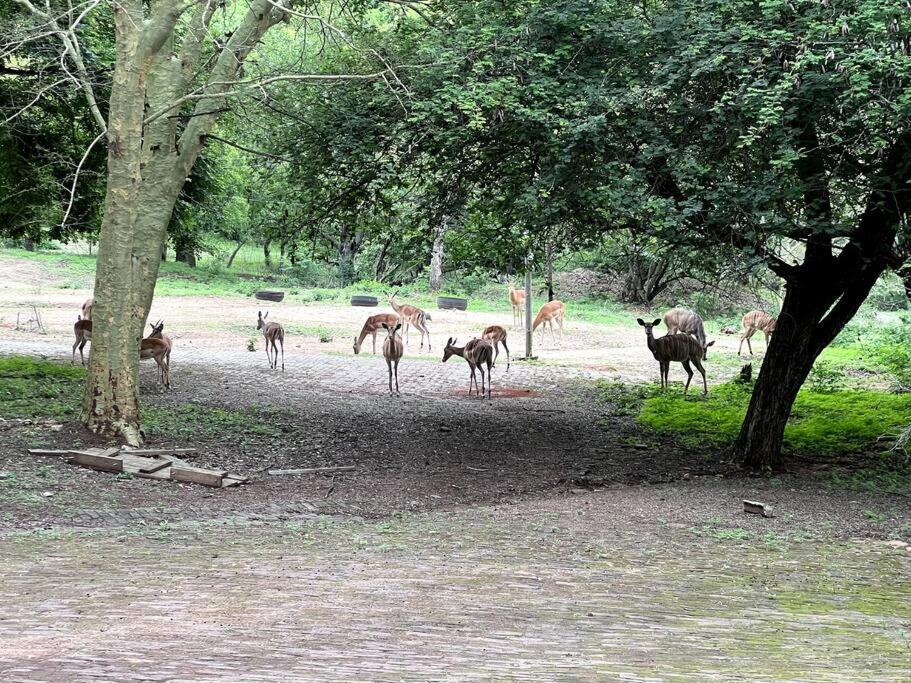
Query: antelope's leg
{"points": [[705, 384], [397, 376], [689, 374], [507, 355]]}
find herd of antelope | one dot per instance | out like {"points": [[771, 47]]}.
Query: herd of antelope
{"points": [[685, 341]]}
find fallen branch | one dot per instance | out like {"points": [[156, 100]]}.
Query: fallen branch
{"points": [[314, 470]]}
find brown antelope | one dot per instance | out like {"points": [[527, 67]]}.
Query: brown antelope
{"points": [[372, 326], [411, 315], [87, 309], [680, 348], [159, 350], [496, 335], [157, 333], [393, 349], [477, 353], [686, 321], [148, 348], [756, 320], [551, 311], [272, 332], [517, 301], [83, 331]]}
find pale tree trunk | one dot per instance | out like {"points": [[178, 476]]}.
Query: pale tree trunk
{"points": [[437, 253], [146, 170], [267, 254], [550, 268], [234, 253]]}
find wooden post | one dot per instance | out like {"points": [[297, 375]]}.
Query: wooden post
{"points": [[528, 320]]}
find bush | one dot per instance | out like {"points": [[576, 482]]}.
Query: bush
{"points": [[890, 348]]}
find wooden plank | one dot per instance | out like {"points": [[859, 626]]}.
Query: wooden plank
{"points": [[753, 507], [45, 451], [186, 452], [233, 480], [97, 462], [137, 464], [314, 470], [197, 475]]}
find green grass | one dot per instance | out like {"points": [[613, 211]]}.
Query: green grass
{"points": [[31, 388], [836, 422], [195, 421]]}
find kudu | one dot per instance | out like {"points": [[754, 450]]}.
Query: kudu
{"points": [[756, 320], [679, 348], [688, 322]]}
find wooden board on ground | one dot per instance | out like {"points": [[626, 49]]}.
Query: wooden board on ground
{"points": [[197, 475], [186, 452], [97, 462], [314, 470], [139, 465]]}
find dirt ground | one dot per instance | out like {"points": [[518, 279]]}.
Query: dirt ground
{"points": [[539, 536]]}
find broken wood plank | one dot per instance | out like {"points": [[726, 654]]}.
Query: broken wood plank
{"points": [[137, 464], [186, 452], [753, 507], [46, 451], [233, 480], [97, 462], [315, 470], [197, 475]]}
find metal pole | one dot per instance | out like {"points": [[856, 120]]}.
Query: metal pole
{"points": [[528, 321]]}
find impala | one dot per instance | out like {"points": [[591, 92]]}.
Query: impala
{"points": [[393, 349], [496, 335], [411, 315], [517, 301], [372, 326], [273, 333], [551, 311], [477, 353]]}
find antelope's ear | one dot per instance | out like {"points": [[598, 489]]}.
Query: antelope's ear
{"points": [[657, 322], [385, 326], [397, 327], [640, 321], [711, 343], [449, 342]]}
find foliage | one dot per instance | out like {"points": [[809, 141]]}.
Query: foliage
{"points": [[835, 422], [890, 348]]}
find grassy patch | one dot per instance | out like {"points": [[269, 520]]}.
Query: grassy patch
{"points": [[195, 421], [884, 478], [33, 388], [833, 422]]}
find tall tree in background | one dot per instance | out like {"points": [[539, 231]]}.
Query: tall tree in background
{"points": [[168, 87]]}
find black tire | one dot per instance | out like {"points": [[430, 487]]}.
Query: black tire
{"points": [[451, 303], [270, 296], [364, 301]]}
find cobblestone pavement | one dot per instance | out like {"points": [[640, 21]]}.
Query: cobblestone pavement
{"points": [[564, 589], [364, 373]]}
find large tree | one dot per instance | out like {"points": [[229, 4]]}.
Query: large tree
{"points": [[178, 65]]}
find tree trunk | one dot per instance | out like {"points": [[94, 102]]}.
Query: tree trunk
{"points": [[267, 254], [436, 253], [820, 299], [233, 255], [347, 250], [28, 244], [185, 254], [380, 269], [549, 257], [164, 252]]}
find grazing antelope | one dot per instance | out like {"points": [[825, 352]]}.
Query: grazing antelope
{"points": [[496, 335], [87, 309], [756, 320], [477, 353], [688, 322], [372, 326], [517, 301], [680, 348], [272, 332], [551, 311], [392, 352], [411, 315], [83, 331]]}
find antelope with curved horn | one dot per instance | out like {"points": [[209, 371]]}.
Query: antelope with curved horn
{"points": [[411, 315], [680, 348], [496, 335], [477, 353], [274, 335], [372, 326], [756, 320], [551, 311], [393, 349]]}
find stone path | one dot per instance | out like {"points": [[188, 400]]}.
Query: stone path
{"points": [[364, 373], [555, 591]]}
